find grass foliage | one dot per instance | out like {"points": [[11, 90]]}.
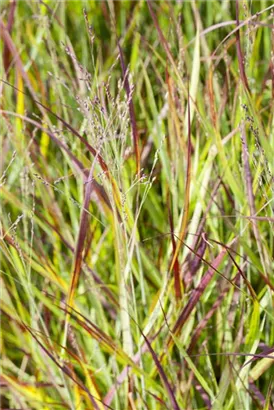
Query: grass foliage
{"points": [[136, 186]]}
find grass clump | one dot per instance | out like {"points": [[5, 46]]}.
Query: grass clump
{"points": [[136, 183]]}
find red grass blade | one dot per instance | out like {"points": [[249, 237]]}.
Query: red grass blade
{"points": [[205, 320], [6, 50], [176, 268], [196, 295], [81, 238], [163, 376]]}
